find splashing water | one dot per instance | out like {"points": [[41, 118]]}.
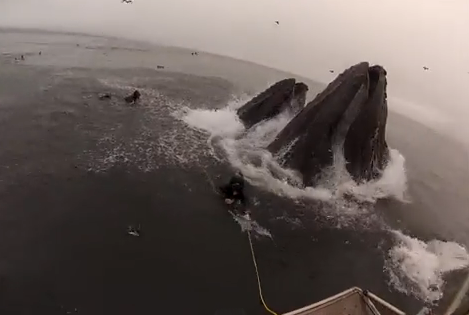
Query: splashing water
{"points": [[248, 224], [392, 183], [246, 150], [215, 122], [417, 267]]}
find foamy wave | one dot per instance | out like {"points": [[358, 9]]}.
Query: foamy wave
{"points": [[215, 122], [391, 184], [245, 150], [416, 267]]}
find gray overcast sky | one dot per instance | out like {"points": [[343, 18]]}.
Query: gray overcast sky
{"points": [[313, 36]]}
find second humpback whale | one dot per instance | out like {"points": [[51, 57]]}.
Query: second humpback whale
{"points": [[283, 95]]}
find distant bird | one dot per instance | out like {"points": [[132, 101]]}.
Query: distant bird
{"points": [[331, 71], [40, 53], [425, 68], [277, 22], [127, 1]]}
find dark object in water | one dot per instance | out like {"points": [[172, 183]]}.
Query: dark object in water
{"points": [[133, 231], [194, 53], [159, 67], [331, 71], [133, 98], [233, 192], [283, 95], [105, 96], [22, 57], [40, 53]]}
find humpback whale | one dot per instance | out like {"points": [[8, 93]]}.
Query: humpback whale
{"points": [[283, 95], [347, 118]]}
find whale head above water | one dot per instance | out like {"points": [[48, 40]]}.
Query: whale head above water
{"points": [[348, 118], [285, 95]]}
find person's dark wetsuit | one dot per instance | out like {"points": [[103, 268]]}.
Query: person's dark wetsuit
{"points": [[233, 192]]}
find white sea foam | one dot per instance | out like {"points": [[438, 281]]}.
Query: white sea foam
{"points": [[418, 268], [223, 122], [248, 224], [392, 183], [245, 150]]}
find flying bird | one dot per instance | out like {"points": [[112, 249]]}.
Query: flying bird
{"points": [[277, 22], [425, 68], [127, 1]]}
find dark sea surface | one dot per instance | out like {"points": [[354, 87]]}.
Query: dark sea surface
{"points": [[76, 171]]}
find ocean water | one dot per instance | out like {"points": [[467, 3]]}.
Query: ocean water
{"points": [[76, 171]]}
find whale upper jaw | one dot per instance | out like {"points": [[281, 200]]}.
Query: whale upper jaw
{"points": [[365, 148], [285, 95]]}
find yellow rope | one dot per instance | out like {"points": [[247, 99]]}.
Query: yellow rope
{"points": [[258, 278]]}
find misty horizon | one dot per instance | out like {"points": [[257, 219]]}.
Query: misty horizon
{"points": [[311, 38]]}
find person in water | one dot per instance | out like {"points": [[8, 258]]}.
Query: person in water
{"points": [[233, 192], [133, 98]]}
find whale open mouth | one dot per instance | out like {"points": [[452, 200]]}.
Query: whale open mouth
{"points": [[285, 95], [348, 117]]}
